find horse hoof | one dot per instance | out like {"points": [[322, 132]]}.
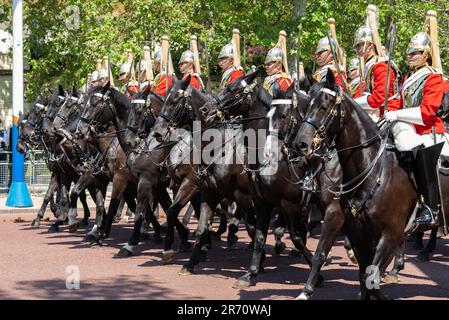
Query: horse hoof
{"points": [[242, 284], [391, 278], [423, 256], [74, 227], [36, 223], [303, 297], [185, 247], [168, 256], [186, 271], [125, 219], [279, 247], [144, 236], [232, 240], [294, 253], [89, 238], [124, 253], [53, 229], [351, 256]]}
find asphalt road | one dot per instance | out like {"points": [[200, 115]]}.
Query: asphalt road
{"points": [[34, 264]]}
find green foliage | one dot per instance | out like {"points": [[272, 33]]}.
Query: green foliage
{"points": [[64, 55]]}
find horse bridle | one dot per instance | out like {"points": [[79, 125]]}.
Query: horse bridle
{"points": [[61, 99], [173, 121], [223, 108], [65, 118], [93, 125], [140, 131], [321, 130]]}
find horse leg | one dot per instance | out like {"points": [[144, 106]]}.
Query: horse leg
{"points": [[186, 192], [100, 195], [333, 222], [145, 196], [385, 250], [234, 228], [118, 214], [425, 254], [47, 198], [85, 221], [75, 193], [392, 276], [250, 223], [207, 205], [349, 250], [262, 224], [279, 229], [119, 184]]}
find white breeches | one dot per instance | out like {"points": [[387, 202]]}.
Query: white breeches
{"points": [[406, 138]]}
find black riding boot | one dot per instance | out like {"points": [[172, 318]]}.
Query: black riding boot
{"points": [[426, 176]]}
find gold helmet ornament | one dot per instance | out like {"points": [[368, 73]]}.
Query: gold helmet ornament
{"points": [[368, 33], [165, 56], [279, 52]]}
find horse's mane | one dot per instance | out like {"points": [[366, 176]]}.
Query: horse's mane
{"points": [[118, 98]]}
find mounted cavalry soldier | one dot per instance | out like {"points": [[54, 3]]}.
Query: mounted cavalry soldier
{"points": [[374, 65], [421, 97], [189, 64], [356, 85], [164, 66], [326, 60], [127, 76], [276, 66], [146, 70], [229, 60]]}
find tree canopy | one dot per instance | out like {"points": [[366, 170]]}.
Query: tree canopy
{"points": [[61, 49]]}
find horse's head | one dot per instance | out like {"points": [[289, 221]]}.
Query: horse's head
{"points": [[72, 105], [58, 99], [231, 101], [141, 117], [324, 117], [176, 111], [29, 126], [285, 116], [97, 112]]}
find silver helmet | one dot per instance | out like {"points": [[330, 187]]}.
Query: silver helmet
{"points": [[354, 64], [187, 56], [419, 42], [226, 52], [124, 68], [102, 74], [363, 34], [94, 76], [158, 56], [323, 45], [274, 55]]}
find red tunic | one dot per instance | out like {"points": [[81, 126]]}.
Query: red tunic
{"points": [[433, 91], [378, 87], [195, 82], [235, 75], [160, 84]]}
